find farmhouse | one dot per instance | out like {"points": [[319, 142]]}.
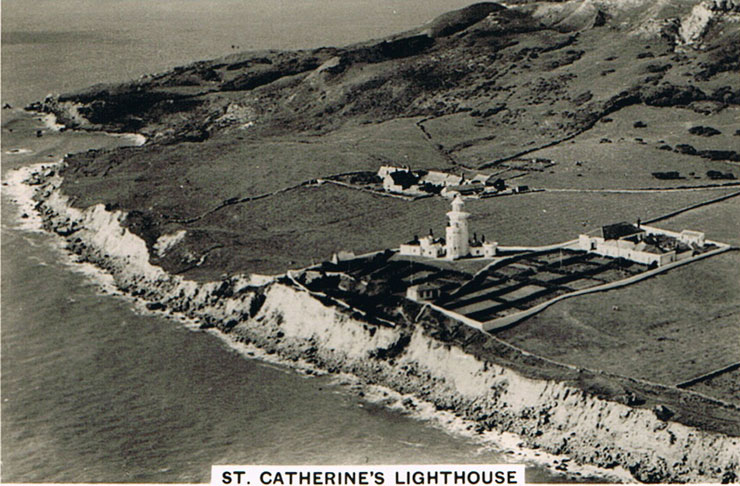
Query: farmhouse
{"points": [[399, 180], [642, 244], [457, 242], [403, 180]]}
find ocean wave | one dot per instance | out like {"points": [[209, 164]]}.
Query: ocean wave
{"points": [[21, 194], [18, 151]]}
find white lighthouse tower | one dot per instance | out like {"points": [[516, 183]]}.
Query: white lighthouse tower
{"points": [[457, 230]]}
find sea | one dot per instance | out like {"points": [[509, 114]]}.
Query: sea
{"points": [[96, 389]]}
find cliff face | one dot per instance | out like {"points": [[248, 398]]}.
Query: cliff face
{"points": [[550, 415], [294, 325]]}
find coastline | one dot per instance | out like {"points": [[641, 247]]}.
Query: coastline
{"points": [[254, 315], [51, 123], [22, 195]]}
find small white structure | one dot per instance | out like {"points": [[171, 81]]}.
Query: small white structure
{"points": [[485, 249], [428, 246], [400, 181], [423, 292], [441, 179], [623, 248], [385, 170], [405, 180], [692, 238], [342, 256]]}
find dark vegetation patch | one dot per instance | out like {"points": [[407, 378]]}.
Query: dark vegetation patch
{"points": [[657, 68], [568, 57], [582, 98], [724, 57], [731, 155], [669, 175], [684, 148], [704, 131], [719, 175]]}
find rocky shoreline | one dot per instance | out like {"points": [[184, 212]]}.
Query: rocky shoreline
{"points": [[412, 358]]}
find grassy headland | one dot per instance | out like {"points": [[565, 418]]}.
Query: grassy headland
{"points": [[612, 93]]}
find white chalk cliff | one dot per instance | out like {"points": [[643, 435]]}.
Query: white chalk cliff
{"points": [[285, 320]]}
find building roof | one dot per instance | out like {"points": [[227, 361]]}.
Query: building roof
{"points": [[441, 178], [404, 178], [467, 188], [426, 286], [496, 182], [619, 230], [655, 249], [426, 240]]}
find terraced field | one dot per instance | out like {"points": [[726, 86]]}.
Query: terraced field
{"points": [[528, 280]]}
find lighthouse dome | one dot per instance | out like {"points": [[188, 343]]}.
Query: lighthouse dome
{"points": [[457, 203]]}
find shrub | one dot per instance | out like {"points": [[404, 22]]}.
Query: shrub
{"points": [[670, 175], [717, 175], [684, 148], [704, 131]]}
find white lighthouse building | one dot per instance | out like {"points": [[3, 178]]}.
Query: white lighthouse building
{"points": [[457, 238], [457, 243]]}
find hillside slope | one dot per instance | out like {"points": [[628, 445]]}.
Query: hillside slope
{"points": [[470, 89]]}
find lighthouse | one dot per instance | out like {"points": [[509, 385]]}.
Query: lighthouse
{"points": [[457, 230]]}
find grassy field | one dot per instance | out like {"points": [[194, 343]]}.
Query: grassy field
{"points": [[467, 265], [720, 220], [308, 224], [510, 287], [546, 218], [182, 181], [726, 386], [617, 155], [667, 329]]}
